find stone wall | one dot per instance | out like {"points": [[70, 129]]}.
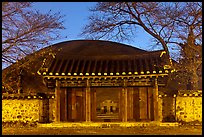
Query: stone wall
{"points": [[185, 107], [189, 109], [28, 108], [20, 110]]}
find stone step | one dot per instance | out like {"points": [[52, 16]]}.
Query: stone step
{"points": [[105, 124]]}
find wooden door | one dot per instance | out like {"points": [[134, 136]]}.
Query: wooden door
{"points": [[79, 108]]}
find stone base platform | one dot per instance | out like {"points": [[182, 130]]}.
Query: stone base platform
{"points": [[105, 124]]}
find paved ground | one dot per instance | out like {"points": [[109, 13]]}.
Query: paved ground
{"points": [[149, 130]]}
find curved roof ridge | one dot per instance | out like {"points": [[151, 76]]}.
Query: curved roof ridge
{"points": [[96, 43], [84, 40]]}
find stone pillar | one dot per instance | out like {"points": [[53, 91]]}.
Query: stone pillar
{"points": [[57, 97], [155, 97], [87, 102]]}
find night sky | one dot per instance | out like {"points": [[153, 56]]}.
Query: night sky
{"points": [[76, 16]]}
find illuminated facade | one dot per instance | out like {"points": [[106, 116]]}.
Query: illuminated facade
{"points": [[85, 73]]}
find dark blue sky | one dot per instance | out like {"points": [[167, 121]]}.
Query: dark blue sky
{"points": [[76, 16]]}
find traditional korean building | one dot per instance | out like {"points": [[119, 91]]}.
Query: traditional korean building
{"points": [[85, 73]]}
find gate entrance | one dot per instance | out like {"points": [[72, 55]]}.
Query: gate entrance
{"points": [[107, 104]]}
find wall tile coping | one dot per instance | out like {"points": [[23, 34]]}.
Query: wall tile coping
{"points": [[6, 96]]}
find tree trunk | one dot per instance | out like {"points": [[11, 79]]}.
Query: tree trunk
{"points": [[194, 79]]}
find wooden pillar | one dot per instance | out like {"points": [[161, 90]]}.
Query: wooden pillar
{"points": [[74, 112], [136, 104], [124, 104], [66, 104], [155, 97], [160, 117], [84, 104], [62, 104], [120, 105], [69, 104], [143, 103], [149, 103], [130, 103], [57, 97], [87, 102], [93, 105]]}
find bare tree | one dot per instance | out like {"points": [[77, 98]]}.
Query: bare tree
{"points": [[25, 30], [171, 24]]}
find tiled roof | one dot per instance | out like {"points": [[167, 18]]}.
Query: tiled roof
{"points": [[130, 61]]}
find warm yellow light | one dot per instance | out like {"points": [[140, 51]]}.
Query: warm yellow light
{"points": [[56, 73], [136, 73], [99, 73], [163, 52], [39, 72], [129, 73], [154, 71], [173, 70], [63, 73], [111, 73], [69, 73], [50, 73], [123, 73], [117, 73], [105, 73], [92, 73], [196, 94], [44, 73], [87, 73], [142, 72]]}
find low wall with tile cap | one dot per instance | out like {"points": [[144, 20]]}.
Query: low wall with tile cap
{"points": [[33, 108], [29, 108], [189, 108], [20, 110], [185, 106]]}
